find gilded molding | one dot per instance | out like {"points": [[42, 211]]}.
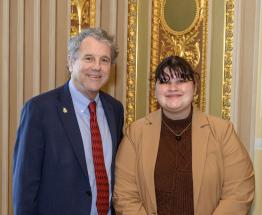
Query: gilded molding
{"points": [[189, 43], [83, 15], [154, 54], [204, 14], [92, 13], [228, 59], [131, 62]]}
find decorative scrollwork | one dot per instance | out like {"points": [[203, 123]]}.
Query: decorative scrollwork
{"points": [[228, 58], [155, 58], [131, 62], [186, 46], [83, 13]]}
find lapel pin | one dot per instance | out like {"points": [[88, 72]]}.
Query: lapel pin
{"points": [[65, 110]]}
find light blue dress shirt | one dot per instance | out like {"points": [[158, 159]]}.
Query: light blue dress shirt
{"points": [[80, 103]]}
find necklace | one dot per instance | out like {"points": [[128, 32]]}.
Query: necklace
{"points": [[178, 135]]}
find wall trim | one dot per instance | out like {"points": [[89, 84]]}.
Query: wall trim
{"points": [[258, 144], [5, 107]]}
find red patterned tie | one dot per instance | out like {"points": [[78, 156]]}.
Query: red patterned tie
{"points": [[102, 201]]}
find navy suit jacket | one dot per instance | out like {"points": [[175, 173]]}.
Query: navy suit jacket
{"points": [[50, 174]]}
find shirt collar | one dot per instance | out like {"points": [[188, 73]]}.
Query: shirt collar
{"points": [[80, 101]]}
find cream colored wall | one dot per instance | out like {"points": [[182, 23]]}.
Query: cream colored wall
{"points": [[258, 146], [33, 41], [259, 82], [4, 100], [257, 209], [121, 35], [257, 205], [246, 48]]}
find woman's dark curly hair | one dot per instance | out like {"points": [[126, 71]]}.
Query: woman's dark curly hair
{"points": [[178, 67]]}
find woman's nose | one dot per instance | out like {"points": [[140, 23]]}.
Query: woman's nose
{"points": [[173, 85]]}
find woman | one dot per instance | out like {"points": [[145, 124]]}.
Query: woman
{"points": [[178, 160]]}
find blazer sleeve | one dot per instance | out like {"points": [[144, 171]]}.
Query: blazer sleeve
{"points": [[239, 183], [126, 196], [28, 156]]}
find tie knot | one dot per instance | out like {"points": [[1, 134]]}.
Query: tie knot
{"points": [[92, 107]]}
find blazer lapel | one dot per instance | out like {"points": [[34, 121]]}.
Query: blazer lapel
{"points": [[200, 133], [150, 140], [68, 117]]}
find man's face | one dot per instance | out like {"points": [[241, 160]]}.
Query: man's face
{"points": [[91, 70]]}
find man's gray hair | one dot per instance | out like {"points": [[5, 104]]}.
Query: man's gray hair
{"points": [[97, 33]]}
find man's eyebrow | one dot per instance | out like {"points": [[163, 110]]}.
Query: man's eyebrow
{"points": [[102, 56], [87, 55]]}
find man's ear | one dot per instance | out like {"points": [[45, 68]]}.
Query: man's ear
{"points": [[69, 64]]}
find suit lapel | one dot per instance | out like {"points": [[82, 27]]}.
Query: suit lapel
{"points": [[150, 140], [200, 133], [68, 117]]}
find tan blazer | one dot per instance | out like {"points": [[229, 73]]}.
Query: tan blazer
{"points": [[223, 177]]}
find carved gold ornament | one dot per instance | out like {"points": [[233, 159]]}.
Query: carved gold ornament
{"points": [[228, 58], [131, 62], [83, 15]]}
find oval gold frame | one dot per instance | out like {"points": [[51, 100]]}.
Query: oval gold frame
{"points": [[195, 22]]}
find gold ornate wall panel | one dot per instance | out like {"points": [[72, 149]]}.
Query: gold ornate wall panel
{"points": [[131, 62], [189, 43], [228, 58], [83, 15]]}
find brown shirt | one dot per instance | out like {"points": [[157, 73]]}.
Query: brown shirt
{"points": [[173, 170]]}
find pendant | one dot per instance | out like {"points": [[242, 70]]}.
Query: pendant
{"points": [[178, 137]]}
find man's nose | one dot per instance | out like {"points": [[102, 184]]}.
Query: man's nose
{"points": [[97, 64]]}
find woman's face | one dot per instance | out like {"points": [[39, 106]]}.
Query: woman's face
{"points": [[175, 96]]}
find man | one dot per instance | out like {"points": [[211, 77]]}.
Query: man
{"points": [[67, 139]]}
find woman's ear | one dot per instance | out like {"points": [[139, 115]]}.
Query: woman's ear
{"points": [[195, 87]]}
